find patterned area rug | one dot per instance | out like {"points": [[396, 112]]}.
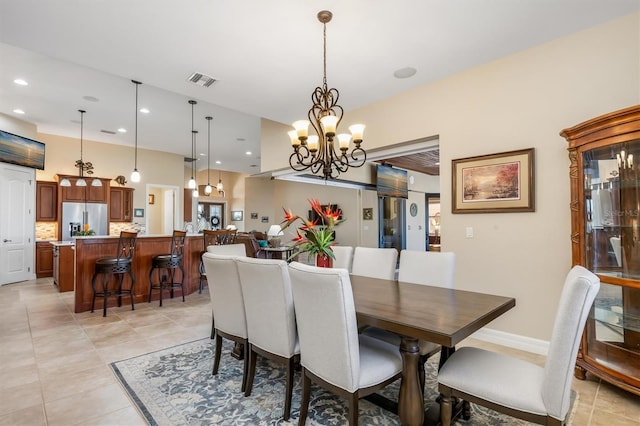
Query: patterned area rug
{"points": [[174, 387]]}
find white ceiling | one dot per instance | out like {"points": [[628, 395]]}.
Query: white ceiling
{"points": [[266, 56]]}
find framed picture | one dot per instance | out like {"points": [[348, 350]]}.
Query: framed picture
{"points": [[152, 198], [265, 219], [236, 214], [367, 213], [495, 183], [254, 215], [138, 212]]}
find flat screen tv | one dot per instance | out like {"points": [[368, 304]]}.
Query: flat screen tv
{"points": [[391, 182], [22, 151]]}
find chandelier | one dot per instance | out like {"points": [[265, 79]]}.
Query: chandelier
{"points": [[318, 152]]}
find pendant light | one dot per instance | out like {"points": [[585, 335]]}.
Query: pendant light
{"points": [[81, 181], [135, 175], [208, 188], [192, 181], [219, 186]]}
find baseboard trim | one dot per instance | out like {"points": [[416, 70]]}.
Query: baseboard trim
{"points": [[510, 340]]}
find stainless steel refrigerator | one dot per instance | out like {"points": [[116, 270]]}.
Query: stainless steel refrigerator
{"points": [[75, 215]]}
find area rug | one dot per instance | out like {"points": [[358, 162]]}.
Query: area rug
{"points": [[175, 387]]}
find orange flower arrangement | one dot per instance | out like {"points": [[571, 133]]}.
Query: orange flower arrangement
{"points": [[315, 237]]}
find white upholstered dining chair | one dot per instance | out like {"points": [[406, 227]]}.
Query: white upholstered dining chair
{"points": [[344, 257], [228, 306], [225, 250], [271, 321], [375, 262], [332, 353], [516, 387], [426, 268]]}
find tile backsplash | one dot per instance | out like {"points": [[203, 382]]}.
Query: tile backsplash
{"points": [[46, 230]]}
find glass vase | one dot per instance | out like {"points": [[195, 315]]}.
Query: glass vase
{"points": [[324, 261]]}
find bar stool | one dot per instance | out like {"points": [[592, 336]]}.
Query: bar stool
{"points": [[117, 266], [165, 266]]}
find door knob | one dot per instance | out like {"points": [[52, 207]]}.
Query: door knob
{"points": [[6, 241]]}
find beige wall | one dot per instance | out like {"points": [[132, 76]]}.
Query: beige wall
{"points": [[520, 101], [18, 127]]}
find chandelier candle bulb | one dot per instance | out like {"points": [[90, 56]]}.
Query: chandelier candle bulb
{"points": [[293, 135], [329, 124], [313, 143], [344, 140], [302, 128], [357, 132]]}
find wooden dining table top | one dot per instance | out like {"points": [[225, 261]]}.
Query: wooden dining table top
{"points": [[439, 315]]}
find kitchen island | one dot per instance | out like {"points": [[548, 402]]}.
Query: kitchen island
{"points": [[88, 249]]}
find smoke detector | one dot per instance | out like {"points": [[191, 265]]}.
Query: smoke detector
{"points": [[201, 79]]}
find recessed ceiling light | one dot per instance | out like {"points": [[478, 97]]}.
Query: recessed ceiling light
{"points": [[20, 82], [18, 111], [144, 110], [248, 152], [122, 130], [91, 98], [405, 72], [218, 162], [202, 154]]}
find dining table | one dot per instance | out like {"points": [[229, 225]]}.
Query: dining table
{"points": [[440, 315]]}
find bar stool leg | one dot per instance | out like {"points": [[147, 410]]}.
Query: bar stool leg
{"points": [[133, 283], [105, 286]]}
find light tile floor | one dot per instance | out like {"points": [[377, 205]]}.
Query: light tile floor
{"points": [[55, 363]]}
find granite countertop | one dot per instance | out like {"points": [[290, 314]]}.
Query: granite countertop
{"points": [[62, 243]]}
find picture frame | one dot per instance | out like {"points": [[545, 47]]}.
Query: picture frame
{"points": [[494, 183], [152, 198], [138, 212], [265, 219], [367, 213], [254, 215], [236, 215]]}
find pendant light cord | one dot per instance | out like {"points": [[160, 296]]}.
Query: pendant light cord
{"points": [[81, 132], [209, 118]]}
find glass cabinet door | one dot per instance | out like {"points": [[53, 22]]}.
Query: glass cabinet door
{"points": [[612, 249]]}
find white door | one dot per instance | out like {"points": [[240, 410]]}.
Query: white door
{"points": [[17, 223], [169, 207], [416, 233]]}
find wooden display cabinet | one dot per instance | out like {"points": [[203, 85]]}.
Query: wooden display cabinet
{"points": [[46, 201], [121, 204], [605, 237]]}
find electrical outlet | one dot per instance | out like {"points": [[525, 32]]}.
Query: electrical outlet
{"points": [[469, 232]]}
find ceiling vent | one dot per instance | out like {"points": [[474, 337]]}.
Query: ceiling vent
{"points": [[201, 79], [110, 132]]}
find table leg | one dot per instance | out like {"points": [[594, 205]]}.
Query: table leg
{"points": [[410, 400]]}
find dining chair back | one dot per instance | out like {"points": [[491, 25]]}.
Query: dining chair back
{"points": [[428, 268], [332, 353], [516, 387], [271, 320], [228, 250], [344, 257], [375, 262], [228, 306], [225, 250]]}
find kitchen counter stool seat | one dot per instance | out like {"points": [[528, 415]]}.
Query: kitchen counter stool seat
{"points": [[165, 266], [117, 266]]}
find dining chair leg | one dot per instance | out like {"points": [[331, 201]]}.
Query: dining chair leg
{"points": [[245, 369], [353, 409], [216, 358], [289, 390], [306, 396], [252, 370]]}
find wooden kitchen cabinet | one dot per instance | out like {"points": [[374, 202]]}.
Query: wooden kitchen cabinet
{"points": [[44, 259], [121, 204], [188, 205], [605, 224], [64, 267], [81, 194], [46, 201]]}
